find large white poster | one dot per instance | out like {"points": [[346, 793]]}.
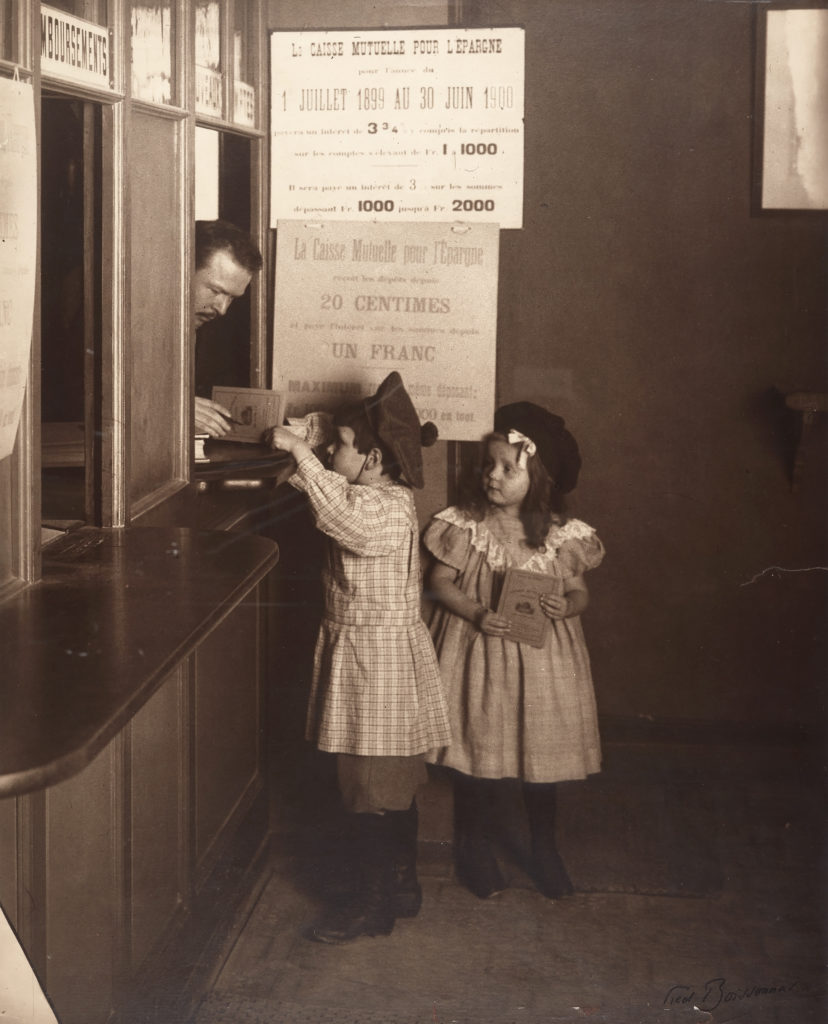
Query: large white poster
{"points": [[413, 124], [18, 241], [355, 301]]}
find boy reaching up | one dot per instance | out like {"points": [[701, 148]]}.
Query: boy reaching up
{"points": [[376, 698]]}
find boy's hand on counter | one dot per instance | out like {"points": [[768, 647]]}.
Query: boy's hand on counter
{"points": [[282, 439]]}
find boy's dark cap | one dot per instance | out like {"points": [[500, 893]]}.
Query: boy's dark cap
{"points": [[396, 423], [557, 448]]}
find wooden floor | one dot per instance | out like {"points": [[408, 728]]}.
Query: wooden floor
{"points": [[700, 896]]}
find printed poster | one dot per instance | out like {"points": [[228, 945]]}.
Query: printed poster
{"points": [[355, 301], [18, 240], [413, 124]]}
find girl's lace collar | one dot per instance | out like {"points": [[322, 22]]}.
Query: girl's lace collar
{"points": [[496, 553]]}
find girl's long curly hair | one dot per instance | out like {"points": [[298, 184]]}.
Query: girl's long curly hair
{"points": [[543, 506]]}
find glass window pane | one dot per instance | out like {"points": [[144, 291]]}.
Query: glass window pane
{"points": [[88, 10], [244, 86], [152, 52], [208, 58], [206, 174], [8, 30]]}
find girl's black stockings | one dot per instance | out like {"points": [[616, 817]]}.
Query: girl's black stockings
{"points": [[550, 874], [474, 857]]}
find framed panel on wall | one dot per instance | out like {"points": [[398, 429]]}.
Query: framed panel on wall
{"points": [[792, 108]]}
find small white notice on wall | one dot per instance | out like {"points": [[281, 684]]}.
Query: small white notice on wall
{"points": [[408, 124], [795, 159], [18, 241], [355, 301]]}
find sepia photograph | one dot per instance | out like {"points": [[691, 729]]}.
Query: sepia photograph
{"points": [[413, 511]]}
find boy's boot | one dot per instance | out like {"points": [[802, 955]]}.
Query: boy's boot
{"points": [[550, 874], [474, 858], [368, 910], [406, 893]]}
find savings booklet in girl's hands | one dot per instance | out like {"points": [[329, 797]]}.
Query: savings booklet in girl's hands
{"points": [[520, 604]]}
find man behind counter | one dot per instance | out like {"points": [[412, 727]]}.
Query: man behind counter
{"points": [[226, 260]]}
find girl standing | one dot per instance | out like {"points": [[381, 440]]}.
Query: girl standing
{"points": [[516, 711]]}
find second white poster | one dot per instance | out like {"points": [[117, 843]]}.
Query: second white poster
{"points": [[355, 301]]}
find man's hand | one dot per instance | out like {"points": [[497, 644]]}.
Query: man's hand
{"points": [[211, 418]]}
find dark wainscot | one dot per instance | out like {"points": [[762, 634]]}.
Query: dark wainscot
{"points": [[132, 756]]}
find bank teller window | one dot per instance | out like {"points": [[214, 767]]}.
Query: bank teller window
{"points": [[70, 310], [222, 355]]}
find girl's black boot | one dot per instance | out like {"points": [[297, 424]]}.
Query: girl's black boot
{"points": [[548, 869], [406, 892], [475, 862], [368, 910]]}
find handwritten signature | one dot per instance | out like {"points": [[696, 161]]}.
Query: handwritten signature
{"points": [[716, 992]]}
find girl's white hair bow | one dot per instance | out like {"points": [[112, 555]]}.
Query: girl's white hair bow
{"points": [[527, 446]]}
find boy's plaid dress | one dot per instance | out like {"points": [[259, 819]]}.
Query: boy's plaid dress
{"points": [[376, 684]]}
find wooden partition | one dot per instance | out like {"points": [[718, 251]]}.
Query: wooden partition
{"points": [[81, 833], [7, 566], [159, 345], [157, 806], [8, 856]]}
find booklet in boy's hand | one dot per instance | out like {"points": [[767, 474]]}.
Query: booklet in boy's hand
{"points": [[520, 604], [253, 410]]}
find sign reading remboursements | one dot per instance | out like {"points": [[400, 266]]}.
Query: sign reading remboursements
{"points": [[74, 49], [422, 124], [355, 301]]}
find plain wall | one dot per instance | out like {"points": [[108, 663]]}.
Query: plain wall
{"points": [[651, 305]]}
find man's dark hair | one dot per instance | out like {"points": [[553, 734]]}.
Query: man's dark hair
{"points": [[221, 236]]}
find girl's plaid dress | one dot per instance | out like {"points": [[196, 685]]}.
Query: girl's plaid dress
{"points": [[376, 684]]}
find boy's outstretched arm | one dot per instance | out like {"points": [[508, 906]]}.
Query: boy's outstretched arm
{"points": [[286, 441]]}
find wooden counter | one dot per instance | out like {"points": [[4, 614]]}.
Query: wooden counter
{"points": [[132, 757], [85, 648]]}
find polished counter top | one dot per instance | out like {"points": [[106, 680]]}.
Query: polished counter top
{"points": [[116, 610], [238, 489]]}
